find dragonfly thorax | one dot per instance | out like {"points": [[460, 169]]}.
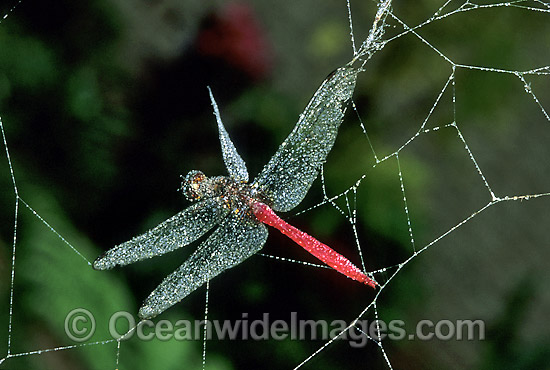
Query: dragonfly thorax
{"points": [[197, 185], [235, 194]]}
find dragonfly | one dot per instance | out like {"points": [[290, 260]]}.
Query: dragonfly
{"points": [[240, 209]]}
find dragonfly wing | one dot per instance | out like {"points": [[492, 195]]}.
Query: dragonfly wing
{"points": [[179, 230], [231, 243], [233, 161], [289, 174]]}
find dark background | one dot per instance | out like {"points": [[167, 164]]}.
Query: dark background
{"points": [[105, 105]]}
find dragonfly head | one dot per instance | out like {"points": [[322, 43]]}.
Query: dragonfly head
{"points": [[194, 186]]}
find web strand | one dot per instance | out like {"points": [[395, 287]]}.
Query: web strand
{"points": [[14, 241]]}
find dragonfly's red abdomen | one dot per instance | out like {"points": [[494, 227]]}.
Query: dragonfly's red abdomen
{"points": [[322, 251]]}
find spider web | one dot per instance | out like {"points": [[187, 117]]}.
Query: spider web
{"points": [[437, 183]]}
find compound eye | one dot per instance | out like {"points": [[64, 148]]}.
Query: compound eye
{"points": [[192, 185]]}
